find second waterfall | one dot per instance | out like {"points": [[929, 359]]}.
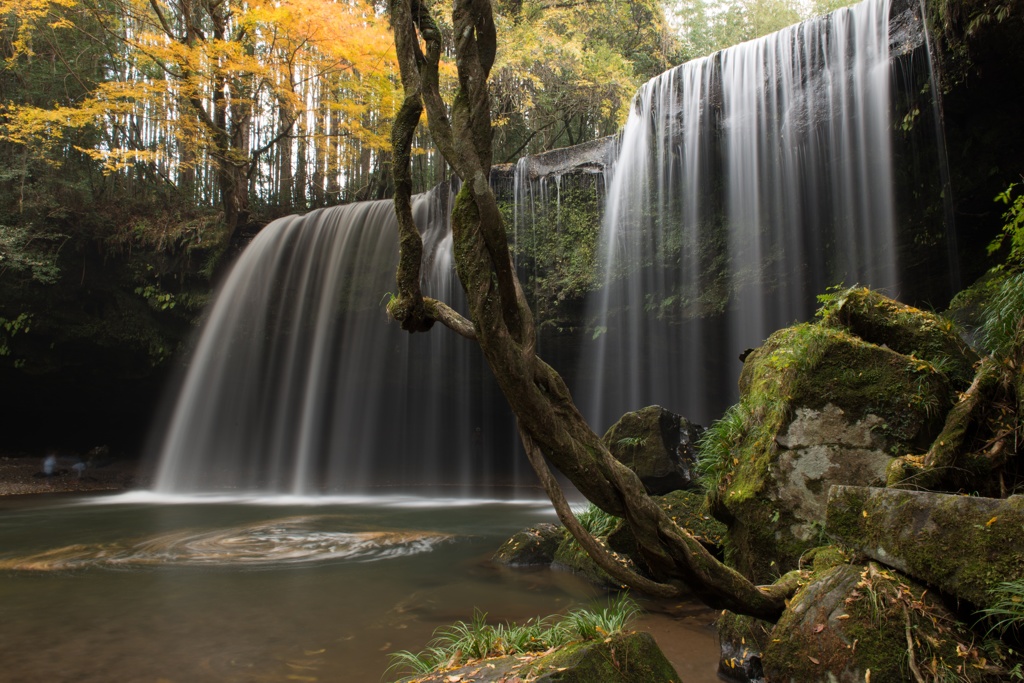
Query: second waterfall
{"points": [[745, 183]]}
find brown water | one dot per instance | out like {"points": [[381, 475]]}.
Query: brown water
{"points": [[152, 591]]}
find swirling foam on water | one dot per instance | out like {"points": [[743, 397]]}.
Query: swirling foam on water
{"points": [[291, 540]]}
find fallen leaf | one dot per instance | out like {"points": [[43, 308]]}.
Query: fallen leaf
{"points": [[814, 660], [991, 521], [864, 513], [867, 676], [819, 628], [843, 616]]}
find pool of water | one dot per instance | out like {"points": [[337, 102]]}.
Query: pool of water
{"points": [[135, 588]]}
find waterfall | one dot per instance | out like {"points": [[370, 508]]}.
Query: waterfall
{"points": [[745, 184], [299, 384]]}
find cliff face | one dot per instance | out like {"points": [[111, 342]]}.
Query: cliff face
{"points": [[980, 65]]}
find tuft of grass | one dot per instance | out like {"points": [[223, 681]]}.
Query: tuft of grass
{"points": [[717, 445], [1006, 614], [463, 642], [595, 520], [588, 624], [1003, 318]]}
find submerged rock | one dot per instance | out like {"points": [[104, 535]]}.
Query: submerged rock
{"points": [[530, 547], [818, 407], [962, 545], [658, 445]]}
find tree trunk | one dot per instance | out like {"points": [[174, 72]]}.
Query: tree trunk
{"points": [[551, 426]]}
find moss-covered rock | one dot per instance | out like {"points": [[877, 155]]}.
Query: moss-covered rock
{"points": [[877, 319], [658, 445], [622, 658], [962, 545], [819, 406], [689, 510], [571, 557], [851, 624], [533, 546]]}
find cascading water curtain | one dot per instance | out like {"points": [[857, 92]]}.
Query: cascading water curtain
{"points": [[745, 184], [300, 385]]}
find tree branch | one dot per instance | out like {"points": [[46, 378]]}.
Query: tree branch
{"points": [[601, 555]]}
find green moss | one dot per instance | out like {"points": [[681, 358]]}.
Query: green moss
{"points": [[849, 620], [879, 320], [965, 546], [623, 658], [825, 557]]}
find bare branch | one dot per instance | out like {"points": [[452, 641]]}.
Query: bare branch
{"points": [[450, 318]]}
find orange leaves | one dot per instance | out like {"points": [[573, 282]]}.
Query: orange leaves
{"points": [[231, 78]]}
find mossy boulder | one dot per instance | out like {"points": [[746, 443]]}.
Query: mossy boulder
{"points": [[877, 319], [621, 658], [533, 546], [850, 624], [818, 406], [658, 445], [962, 545], [689, 510]]}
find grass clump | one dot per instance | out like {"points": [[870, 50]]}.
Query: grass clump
{"points": [[596, 521], [1006, 614], [464, 642], [1002, 324]]}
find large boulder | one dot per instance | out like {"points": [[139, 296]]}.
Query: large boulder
{"points": [[852, 624], [962, 545], [818, 406], [660, 446]]}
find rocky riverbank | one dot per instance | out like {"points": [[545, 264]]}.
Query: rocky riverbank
{"points": [[22, 474]]}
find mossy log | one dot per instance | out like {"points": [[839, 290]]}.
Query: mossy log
{"points": [[962, 545]]}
